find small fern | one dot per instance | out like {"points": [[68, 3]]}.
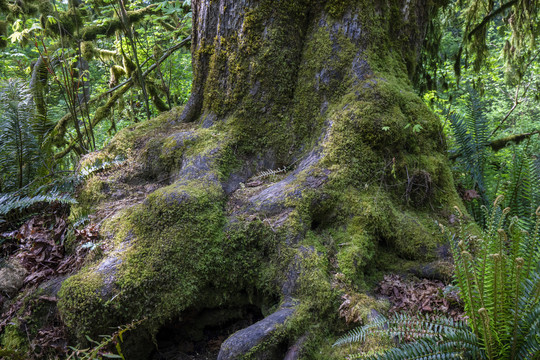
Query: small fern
{"points": [[19, 150], [471, 133], [268, 173], [523, 187], [439, 338], [98, 166]]}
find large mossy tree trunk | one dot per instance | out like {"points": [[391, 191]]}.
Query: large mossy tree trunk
{"points": [[273, 69], [315, 98]]}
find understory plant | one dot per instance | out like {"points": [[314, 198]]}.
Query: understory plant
{"points": [[98, 350], [498, 275]]}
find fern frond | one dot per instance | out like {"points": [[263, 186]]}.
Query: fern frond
{"points": [[19, 151], [404, 326], [267, 173], [9, 202], [86, 172], [471, 134], [359, 334], [428, 349], [526, 338]]}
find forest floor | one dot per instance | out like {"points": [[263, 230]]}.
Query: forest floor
{"points": [[38, 251]]}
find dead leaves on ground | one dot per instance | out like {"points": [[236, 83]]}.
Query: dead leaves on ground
{"points": [[424, 296], [39, 247], [415, 296]]}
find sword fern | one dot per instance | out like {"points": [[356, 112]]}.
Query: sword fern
{"points": [[498, 275]]}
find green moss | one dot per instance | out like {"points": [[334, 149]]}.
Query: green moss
{"points": [[110, 26], [336, 8], [228, 162], [410, 233], [14, 340], [133, 137], [177, 255], [81, 304], [116, 71], [178, 250], [254, 92], [316, 313], [323, 76], [356, 250], [91, 193]]}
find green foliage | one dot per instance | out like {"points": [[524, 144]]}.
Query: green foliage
{"points": [[523, 187], [73, 97], [10, 202], [493, 274], [19, 134], [472, 25], [513, 171], [61, 101], [438, 338], [99, 349], [471, 135], [22, 152], [499, 281]]}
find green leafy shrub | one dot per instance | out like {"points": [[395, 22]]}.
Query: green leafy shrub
{"points": [[498, 275]]}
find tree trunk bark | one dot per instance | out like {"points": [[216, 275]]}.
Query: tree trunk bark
{"points": [[273, 69], [306, 155]]}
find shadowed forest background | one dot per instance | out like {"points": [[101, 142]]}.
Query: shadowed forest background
{"points": [[176, 176]]}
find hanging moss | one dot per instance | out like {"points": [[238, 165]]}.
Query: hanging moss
{"points": [[38, 84], [3, 33], [129, 65], [103, 111], [110, 26], [87, 50], [70, 20], [106, 55], [45, 8], [117, 72], [154, 95]]}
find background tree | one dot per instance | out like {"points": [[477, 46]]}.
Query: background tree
{"points": [[72, 50]]}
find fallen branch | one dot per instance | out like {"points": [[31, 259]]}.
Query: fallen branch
{"points": [[498, 144]]}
